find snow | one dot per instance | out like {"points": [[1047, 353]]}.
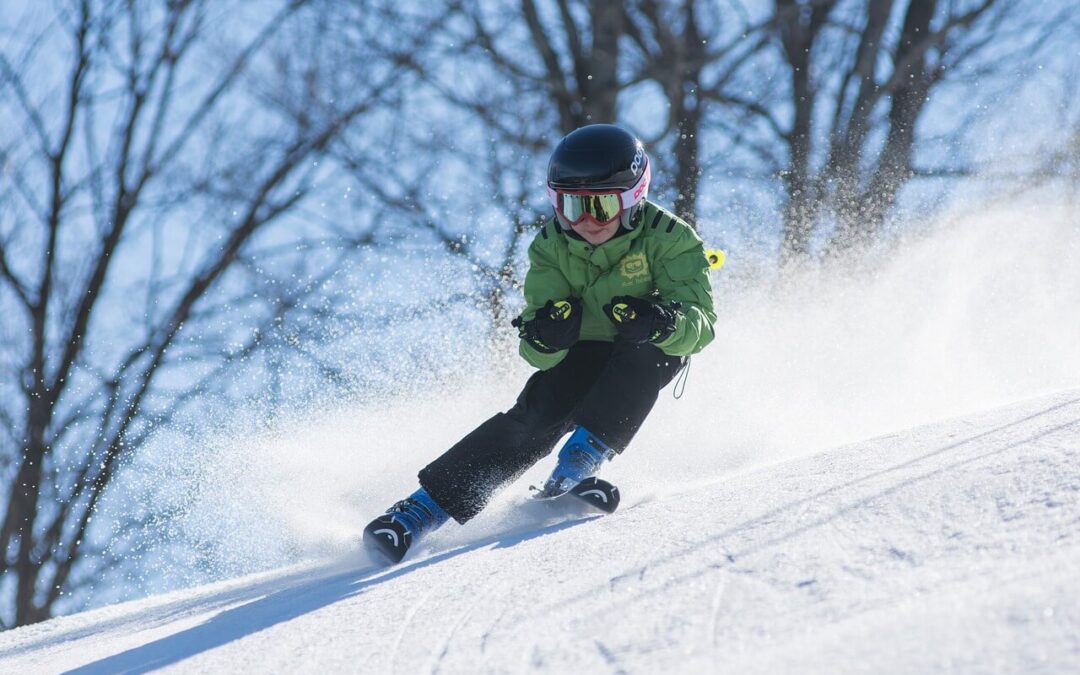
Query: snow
{"points": [[949, 547]]}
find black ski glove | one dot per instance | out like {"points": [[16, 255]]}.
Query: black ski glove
{"points": [[555, 327], [638, 320]]}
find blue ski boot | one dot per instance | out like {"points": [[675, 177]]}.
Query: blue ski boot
{"points": [[579, 459], [390, 535]]}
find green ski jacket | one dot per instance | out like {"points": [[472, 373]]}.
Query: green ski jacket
{"points": [[662, 255]]}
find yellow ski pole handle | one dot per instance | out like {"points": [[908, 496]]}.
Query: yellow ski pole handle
{"points": [[716, 258], [561, 310], [621, 311]]}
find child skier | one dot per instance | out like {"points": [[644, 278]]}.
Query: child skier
{"points": [[617, 297]]}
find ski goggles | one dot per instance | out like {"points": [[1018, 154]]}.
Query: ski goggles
{"points": [[603, 206]]}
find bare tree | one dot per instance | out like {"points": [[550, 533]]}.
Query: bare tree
{"points": [[691, 49], [143, 180], [581, 58], [826, 95], [472, 194], [580, 64], [514, 106], [859, 77]]}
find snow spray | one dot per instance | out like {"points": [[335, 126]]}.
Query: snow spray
{"points": [[979, 310]]}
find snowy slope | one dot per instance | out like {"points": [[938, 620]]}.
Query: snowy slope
{"points": [[953, 547]]}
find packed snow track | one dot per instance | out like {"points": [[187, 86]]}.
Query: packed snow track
{"points": [[951, 547]]}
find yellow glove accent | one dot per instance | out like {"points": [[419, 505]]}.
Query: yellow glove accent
{"points": [[561, 310], [621, 311]]}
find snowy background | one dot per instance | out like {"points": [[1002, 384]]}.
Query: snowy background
{"points": [[855, 510], [984, 312], [873, 467]]}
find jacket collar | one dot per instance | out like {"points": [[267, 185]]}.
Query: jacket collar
{"points": [[606, 255]]}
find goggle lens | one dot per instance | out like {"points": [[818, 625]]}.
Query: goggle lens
{"points": [[603, 208]]}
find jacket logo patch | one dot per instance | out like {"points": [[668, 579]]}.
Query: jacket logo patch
{"points": [[634, 267]]}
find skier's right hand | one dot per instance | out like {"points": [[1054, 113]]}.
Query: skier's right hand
{"points": [[555, 327]]}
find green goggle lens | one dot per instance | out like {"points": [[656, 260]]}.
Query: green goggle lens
{"points": [[603, 208]]}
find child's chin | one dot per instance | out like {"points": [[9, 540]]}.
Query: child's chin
{"points": [[598, 238]]}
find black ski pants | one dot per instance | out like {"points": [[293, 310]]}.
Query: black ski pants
{"points": [[608, 388]]}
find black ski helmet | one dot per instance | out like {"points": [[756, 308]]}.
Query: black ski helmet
{"points": [[600, 157]]}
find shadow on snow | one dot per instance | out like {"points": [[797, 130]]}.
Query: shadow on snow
{"points": [[284, 605]]}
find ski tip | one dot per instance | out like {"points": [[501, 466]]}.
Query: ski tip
{"points": [[598, 493], [387, 540]]}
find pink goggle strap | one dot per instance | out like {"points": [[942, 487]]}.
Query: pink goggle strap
{"points": [[639, 191]]}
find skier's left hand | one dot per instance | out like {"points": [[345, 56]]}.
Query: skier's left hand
{"points": [[638, 320]]}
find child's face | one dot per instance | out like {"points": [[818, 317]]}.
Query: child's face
{"points": [[595, 233]]}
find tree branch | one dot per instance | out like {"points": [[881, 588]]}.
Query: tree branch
{"points": [[556, 78], [17, 287]]}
